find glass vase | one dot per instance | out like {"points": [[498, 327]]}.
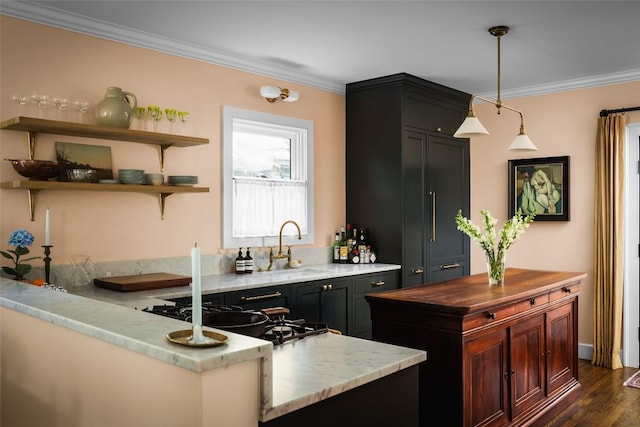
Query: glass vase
{"points": [[495, 269]]}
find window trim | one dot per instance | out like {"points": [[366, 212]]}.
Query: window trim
{"points": [[290, 235]]}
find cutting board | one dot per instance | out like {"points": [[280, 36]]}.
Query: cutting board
{"points": [[142, 282]]}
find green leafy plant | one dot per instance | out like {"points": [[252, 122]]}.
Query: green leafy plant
{"points": [[21, 239], [495, 249]]}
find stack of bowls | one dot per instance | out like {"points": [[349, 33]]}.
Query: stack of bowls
{"points": [[185, 180], [131, 176], [154, 178]]}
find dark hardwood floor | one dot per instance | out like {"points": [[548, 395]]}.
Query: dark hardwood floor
{"points": [[604, 401]]}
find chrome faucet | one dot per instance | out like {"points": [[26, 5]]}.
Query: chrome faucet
{"points": [[280, 255]]}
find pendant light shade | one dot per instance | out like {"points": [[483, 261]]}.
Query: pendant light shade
{"points": [[470, 128], [522, 143]]}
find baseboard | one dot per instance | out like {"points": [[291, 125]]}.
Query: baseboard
{"points": [[585, 351]]}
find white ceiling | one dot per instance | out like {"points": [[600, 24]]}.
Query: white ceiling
{"points": [[552, 46]]}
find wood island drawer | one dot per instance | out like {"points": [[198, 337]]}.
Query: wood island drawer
{"points": [[502, 313], [572, 289]]}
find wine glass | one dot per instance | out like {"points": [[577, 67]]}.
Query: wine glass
{"points": [[171, 115], [139, 112], [20, 101], [81, 107], [156, 115], [62, 104], [42, 101], [184, 118]]}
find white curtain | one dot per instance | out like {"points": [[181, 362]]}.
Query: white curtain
{"points": [[284, 200]]}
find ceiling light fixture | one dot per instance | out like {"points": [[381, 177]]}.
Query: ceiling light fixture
{"points": [[471, 127], [271, 93]]}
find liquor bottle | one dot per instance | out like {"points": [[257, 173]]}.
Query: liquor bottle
{"points": [[344, 249], [362, 246], [354, 255], [240, 262], [350, 241], [248, 263], [336, 248]]}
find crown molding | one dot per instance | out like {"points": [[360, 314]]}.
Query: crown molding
{"points": [[53, 17], [568, 85]]}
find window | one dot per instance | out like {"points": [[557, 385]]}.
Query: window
{"points": [[267, 178]]}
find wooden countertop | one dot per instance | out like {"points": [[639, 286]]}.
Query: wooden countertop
{"points": [[473, 293]]}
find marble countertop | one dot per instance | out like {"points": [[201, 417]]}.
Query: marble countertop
{"points": [[325, 365]]}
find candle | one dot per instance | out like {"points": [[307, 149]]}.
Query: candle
{"points": [[196, 298], [47, 230]]}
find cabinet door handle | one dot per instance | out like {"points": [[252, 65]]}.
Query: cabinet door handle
{"points": [[532, 301], [377, 284], [432, 194], [567, 289], [327, 287], [491, 315], [418, 270], [261, 297], [448, 266]]}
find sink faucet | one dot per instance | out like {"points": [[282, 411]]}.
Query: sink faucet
{"points": [[280, 255]]}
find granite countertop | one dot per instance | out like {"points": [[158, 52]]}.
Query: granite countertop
{"points": [[325, 365]]}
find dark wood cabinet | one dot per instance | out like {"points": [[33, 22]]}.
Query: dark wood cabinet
{"points": [[406, 176], [325, 301], [362, 286], [496, 355]]}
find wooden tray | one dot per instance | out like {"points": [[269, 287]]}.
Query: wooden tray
{"points": [[142, 282]]}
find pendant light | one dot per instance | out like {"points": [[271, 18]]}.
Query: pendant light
{"points": [[471, 127]]}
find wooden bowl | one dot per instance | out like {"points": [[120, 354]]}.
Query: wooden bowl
{"points": [[38, 170]]}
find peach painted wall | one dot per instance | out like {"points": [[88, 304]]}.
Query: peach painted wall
{"points": [[563, 124], [127, 226], [53, 376]]}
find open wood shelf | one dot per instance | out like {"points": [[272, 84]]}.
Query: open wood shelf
{"points": [[34, 126]]}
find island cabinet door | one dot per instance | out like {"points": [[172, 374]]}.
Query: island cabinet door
{"points": [[561, 347], [527, 364], [485, 388]]}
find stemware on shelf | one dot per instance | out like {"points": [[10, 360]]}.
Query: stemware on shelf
{"points": [[61, 104], [156, 115], [81, 107], [42, 101], [184, 118], [171, 114], [139, 113], [20, 101]]}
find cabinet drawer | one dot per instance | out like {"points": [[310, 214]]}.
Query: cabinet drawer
{"points": [[375, 283], [571, 289], [501, 313]]}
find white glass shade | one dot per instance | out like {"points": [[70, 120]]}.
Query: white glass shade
{"points": [[293, 96], [522, 143], [471, 127], [270, 92]]}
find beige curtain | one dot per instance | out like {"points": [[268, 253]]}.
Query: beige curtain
{"points": [[609, 242]]}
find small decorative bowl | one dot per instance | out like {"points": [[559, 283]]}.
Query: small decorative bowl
{"points": [[38, 170], [82, 175], [154, 178]]}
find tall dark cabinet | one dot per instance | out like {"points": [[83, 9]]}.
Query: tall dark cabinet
{"points": [[406, 174]]}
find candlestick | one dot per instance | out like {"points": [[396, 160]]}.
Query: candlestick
{"points": [[47, 263], [47, 230]]}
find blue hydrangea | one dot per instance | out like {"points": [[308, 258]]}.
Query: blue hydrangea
{"points": [[21, 237]]}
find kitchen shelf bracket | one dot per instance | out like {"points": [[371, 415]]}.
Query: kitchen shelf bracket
{"points": [[31, 144], [162, 197], [32, 202], [163, 147]]}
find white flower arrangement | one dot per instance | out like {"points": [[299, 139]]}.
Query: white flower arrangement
{"points": [[511, 231]]}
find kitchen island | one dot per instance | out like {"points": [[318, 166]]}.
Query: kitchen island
{"points": [[498, 355], [74, 360]]}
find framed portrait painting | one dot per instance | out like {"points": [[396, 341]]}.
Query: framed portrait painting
{"points": [[540, 185]]}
